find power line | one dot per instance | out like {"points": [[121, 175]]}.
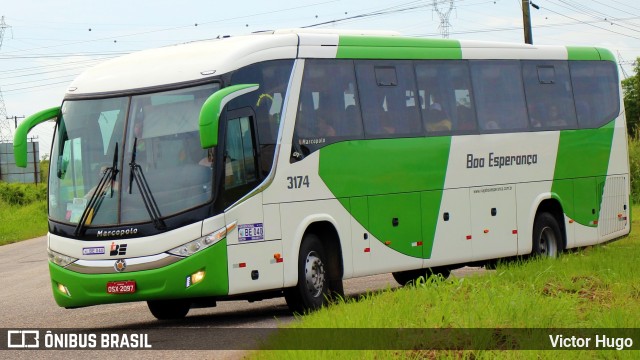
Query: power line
{"points": [[590, 24], [5, 129], [192, 25]]}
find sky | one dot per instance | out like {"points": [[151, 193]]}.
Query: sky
{"points": [[48, 43]]}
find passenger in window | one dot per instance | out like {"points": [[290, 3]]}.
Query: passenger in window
{"points": [[555, 120], [324, 127], [465, 118], [491, 125], [387, 125], [437, 119], [534, 119]]}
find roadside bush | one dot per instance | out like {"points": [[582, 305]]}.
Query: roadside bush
{"points": [[634, 165], [22, 194]]}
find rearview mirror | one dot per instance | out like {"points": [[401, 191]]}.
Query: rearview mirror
{"points": [[20, 137], [212, 108]]}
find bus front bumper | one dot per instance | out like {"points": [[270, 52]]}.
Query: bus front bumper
{"points": [[72, 289]]}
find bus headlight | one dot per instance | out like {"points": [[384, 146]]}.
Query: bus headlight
{"points": [[202, 243], [60, 259]]}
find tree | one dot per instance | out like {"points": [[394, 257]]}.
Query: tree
{"points": [[631, 90]]}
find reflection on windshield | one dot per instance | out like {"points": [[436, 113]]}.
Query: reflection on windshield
{"points": [[168, 153]]}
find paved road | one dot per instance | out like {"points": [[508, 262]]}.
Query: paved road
{"points": [[27, 302]]}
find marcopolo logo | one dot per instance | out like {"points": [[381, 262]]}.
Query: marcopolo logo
{"points": [[119, 232]]}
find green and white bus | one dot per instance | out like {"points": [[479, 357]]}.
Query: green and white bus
{"points": [[281, 163]]}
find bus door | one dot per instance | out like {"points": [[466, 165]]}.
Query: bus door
{"points": [[493, 221], [253, 258]]}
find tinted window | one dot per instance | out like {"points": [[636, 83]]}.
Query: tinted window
{"points": [[273, 77], [549, 95], [327, 110], [444, 88], [499, 95], [238, 157], [266, 102], [595, 88], [389, 99]]}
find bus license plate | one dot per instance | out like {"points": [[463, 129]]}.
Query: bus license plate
{"points": [[121, 287]]}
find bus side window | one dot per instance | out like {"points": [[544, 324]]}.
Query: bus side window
{"points": [[549, 94], [499, 110], [266, 102], [445, 95], [595, 88], [389, 99], [327, 111]]}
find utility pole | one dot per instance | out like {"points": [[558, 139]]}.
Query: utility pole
{"points": [[15, 120], [526, 20], [5, 128]]}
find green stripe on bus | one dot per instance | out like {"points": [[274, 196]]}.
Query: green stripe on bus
{"points": [[372, 47], [606, 54], [582, 53], [583, 155], [403, 180]]}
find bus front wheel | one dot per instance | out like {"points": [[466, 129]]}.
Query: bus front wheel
{"points": [[312, 289], [169, 309], [547, 238]]}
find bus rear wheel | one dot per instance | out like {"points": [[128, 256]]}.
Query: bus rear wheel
{"points": [[406, 277], [547, 238], [312, 290], [169, 309]]}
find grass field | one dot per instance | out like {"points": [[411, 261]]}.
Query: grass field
{"points": [[596, 287], [20, 222], [23, 212]]}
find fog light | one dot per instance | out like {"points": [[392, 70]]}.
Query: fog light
{"points": [[196, 277], [63, 289]]}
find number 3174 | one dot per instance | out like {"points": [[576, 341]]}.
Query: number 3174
{"points": [[297, 182]]}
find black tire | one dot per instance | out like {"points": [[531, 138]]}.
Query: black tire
{"points": [[169, 309], [547, 237], [312, 290], [411, 276]]}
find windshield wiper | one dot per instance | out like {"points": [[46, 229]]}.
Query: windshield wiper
{"points": [[143, 186], [95, 201]]}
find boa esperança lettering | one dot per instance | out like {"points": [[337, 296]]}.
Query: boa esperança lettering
{"points": [[500, 161]]}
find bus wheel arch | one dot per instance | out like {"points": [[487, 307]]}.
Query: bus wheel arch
{"points": [[320, 244], [549, 235]]}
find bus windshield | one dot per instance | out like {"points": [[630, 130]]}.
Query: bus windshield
{"points": [[130, 159]]}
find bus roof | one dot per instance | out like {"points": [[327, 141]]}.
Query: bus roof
{"points": [[198, 60]]}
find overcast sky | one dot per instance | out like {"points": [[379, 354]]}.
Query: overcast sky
{"points": [[50, 42]]}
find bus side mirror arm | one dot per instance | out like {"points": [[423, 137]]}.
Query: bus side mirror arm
{"points": [[212, 108], [20, 137]]}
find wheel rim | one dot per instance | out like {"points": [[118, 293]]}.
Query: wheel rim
{"points": [[548, 243], [314, 274]]}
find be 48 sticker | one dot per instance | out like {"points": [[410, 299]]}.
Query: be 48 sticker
{"points": [[250, 232]]}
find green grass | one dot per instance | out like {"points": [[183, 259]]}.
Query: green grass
{"points": [[596, 287], [20, 222], [23, 212]]}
